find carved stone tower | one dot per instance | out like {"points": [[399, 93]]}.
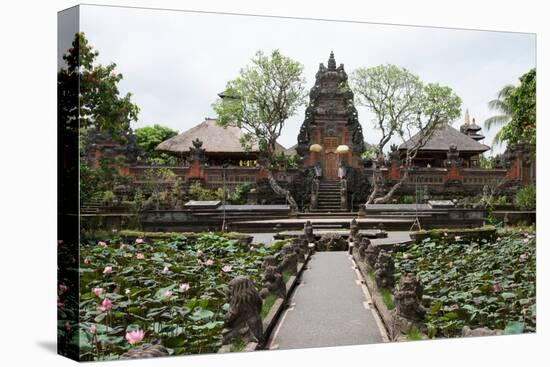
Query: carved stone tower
{"points": [[331, 135]]}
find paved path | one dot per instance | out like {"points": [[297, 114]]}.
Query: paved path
{"points": [[329, 308]]}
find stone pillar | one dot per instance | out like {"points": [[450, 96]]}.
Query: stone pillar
{"points": [[344, 194]]}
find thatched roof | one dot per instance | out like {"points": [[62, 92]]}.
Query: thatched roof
{"points": [[443, 138], [215, 139]]}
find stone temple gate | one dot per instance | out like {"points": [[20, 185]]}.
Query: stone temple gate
{"points": [[331, 135]]}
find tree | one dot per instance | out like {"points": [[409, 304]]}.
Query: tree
{"points": [[500, 104], [149, 137], [403, 106], [522, 101], [259, 101], [100, 103]]}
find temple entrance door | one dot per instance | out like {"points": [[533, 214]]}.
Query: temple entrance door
{"points": [[331, 166]]}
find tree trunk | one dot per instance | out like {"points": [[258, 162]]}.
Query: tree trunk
{"points": [[375, 188], [384, 199], [280, 191]]}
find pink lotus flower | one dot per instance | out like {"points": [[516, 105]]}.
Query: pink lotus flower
{"points": [[457, 238], [226, 269], [86, 261], [184, 287], [102, 244], [526, 240], [209, 262], [140, 256], [167, 295], [497, 288], [63, 288], [98, 291], [405, 256], [93, 329], [200, 253], [252, 248], [135, 336], [123, 246], [139, 240], [67, 326], [444, 234], [454, 307], [59, 303], [499, 239], [108, 270], [105, 305], [127, 291], [523, 256], [165, 270]]}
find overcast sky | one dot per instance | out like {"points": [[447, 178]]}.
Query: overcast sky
{"points": [[174, 63]]}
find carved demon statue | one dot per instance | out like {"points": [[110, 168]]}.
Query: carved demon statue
{"points": [[332, 242], [308, 232], [289, 263], [371, 254], [354, 231], [384, 270], [408, 298], [242, 320], [299, 249], [365, 242], [147, 350], [272, 279]]}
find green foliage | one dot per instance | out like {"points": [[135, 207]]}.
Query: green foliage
{"points": [[267, 304], [370, 154], [387, 298], [480, 283], [414, 334], [522, 101], [197, 192], [486, 162], [108, 197], [100, 102], [188, 322], [239, 196], [262, 98], [149, 137], [526, 198]]}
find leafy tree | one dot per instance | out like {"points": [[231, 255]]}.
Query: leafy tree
{"points": [[522, 101], [259, 101], [149, 137], [517, 107], [403, 106], [500, 104], [100, 102]]}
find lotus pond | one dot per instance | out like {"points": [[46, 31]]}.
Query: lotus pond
{"points": [[172, 290], [480, 283]]}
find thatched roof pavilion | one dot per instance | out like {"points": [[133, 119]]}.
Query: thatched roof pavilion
{"points": [[219, 142], [435, 150]]}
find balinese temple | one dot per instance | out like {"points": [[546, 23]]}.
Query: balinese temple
{"points": [[331, 135], [221, 145], [446, 138]]}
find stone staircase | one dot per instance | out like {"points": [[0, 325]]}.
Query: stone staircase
{"points": [[92, 206], [329, 197]]}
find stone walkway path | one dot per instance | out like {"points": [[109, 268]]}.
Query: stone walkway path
{"points": [[329, 308]]}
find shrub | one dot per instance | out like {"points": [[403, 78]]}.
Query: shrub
{"points": [[526, 198], [198, 192]]}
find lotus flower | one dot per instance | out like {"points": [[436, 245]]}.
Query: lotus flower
{"points": [[184, 287], [108, 270], [405, 256], [135, 336], [139, 240], [102, 244], [457, 238], [209, 262], [127, 291], [200, 253], [67, 326], [252, 248], [165, 270], [93, 329], [444, 234], [114, 230], [454, 307], [526, 240], [98, 291], [105, 305], [167, 295], [226, 269], [499, 239], [523, 256], [63, 288], [140, 256], [86, 261], [497, 288], [59, 242], [59, 303]]}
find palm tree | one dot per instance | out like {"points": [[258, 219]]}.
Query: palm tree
{"points": [[501, 105]]}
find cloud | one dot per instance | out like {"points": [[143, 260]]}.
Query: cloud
{"points": [[174, 63]]}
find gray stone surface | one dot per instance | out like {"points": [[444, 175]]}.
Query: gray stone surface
{"points": [[329, 308]]}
